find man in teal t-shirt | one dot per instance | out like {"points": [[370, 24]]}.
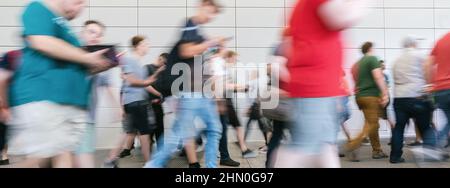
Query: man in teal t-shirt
{"points": [[52, 79], [50, 90]]}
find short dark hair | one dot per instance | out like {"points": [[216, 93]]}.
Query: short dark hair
{"points": [[136, 40], [230, 54], [366, 47], [212, 3], [89, 22]]}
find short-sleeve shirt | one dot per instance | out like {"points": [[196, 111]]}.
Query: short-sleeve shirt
{"points": [[130, 94], [409, 78], [43, 78], [190, 34], [366, 85], [151, 69], [315, 62], [441, 53]]}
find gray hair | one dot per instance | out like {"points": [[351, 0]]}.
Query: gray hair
{"points": [[409, 42]]}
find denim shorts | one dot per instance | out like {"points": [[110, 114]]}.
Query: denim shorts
{"points": [[316, 123], [344, 111]]}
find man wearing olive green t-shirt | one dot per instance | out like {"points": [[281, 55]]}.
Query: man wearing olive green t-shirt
{"points": [[371, 96]]}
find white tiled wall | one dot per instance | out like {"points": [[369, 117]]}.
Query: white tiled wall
{"points": [[255, 26]]}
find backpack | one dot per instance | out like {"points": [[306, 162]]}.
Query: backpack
{"points": [[11, 60]]}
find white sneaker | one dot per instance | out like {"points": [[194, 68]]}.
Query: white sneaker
{"points": [[148, 165], [365, 142]]}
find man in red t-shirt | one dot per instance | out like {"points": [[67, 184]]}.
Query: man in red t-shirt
{"points": [[315, 66], [437, 70]]}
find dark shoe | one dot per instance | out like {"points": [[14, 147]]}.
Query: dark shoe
{"points": [[194, 165], [401, 160], [182, 153], [229, 162], [199, 141], [416, 143], [379, 155], [125, 153], [4, 162], [341, 155]]}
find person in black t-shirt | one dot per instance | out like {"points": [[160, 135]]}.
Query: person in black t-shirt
{"points": [[156, 100], [188, 52]]}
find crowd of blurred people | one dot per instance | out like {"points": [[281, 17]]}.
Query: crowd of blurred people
{"points": [[49, 92]]}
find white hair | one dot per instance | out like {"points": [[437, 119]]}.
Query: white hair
{"points": [[409, 42]]}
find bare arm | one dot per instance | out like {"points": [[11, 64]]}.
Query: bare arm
{"points": [[342, 14], [4, 83], [135, 82], [59, 49], [153, 91], [381, 83], [428, 68], [190, 50]]}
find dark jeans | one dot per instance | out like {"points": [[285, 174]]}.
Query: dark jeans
{"points": [[159, 130], [442, 99], [422, 112], [223, 144], [255, 115], [277, 136]]}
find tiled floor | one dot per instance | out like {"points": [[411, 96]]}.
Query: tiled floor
{"points": [[136, 161]]}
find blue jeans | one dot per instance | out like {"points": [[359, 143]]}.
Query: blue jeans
{"points": [[184, 128], [316, 123], [421, 111], [442, 99]]}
